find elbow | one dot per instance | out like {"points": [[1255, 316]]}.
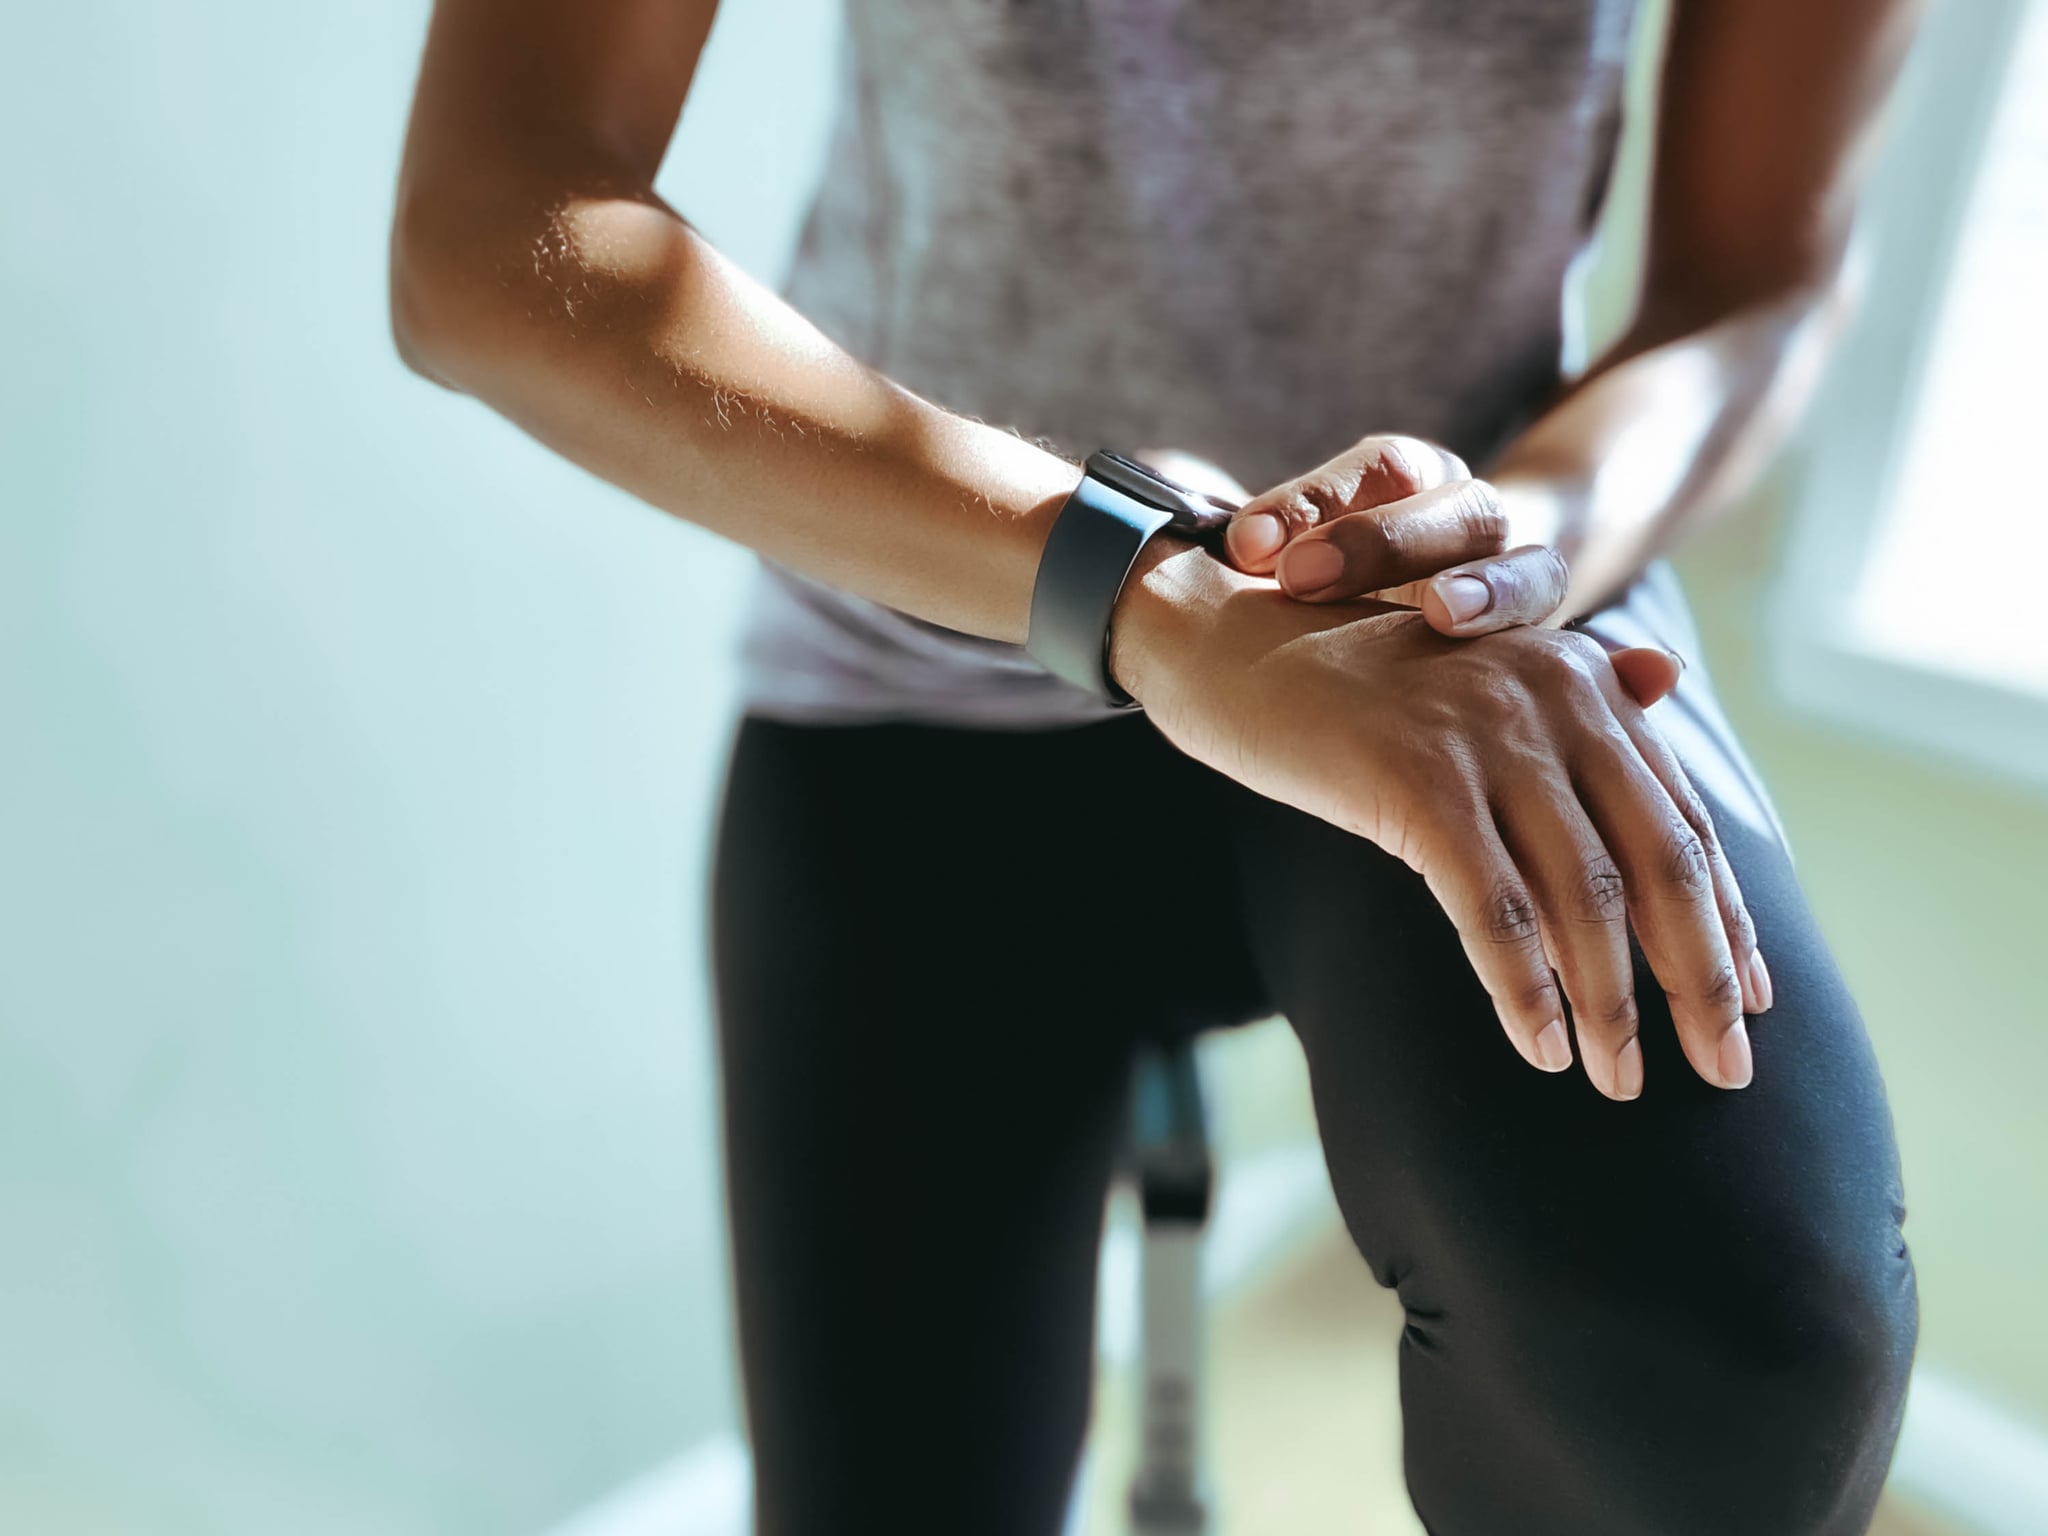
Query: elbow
{"points": [[419, 293], [479, 285], [485, 283], [445, 285], [412, 334]]}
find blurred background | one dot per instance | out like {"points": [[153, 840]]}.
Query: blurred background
{"points": [[357, 1135]]}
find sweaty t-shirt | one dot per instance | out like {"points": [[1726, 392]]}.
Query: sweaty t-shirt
{"points": [[1253, 229]]}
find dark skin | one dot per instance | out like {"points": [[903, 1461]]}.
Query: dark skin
{"points": [[534, 267]]}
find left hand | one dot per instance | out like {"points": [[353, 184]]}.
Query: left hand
{"points": [[1399, 518]]}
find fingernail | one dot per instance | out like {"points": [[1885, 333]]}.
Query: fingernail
{"points": [[1308, 568], [1553, 1050], [1760, 982], [1255, 539], [1464, 597], [1736, 1067], [1628, 1070]]}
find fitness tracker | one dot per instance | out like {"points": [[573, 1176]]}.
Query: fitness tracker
{"points": [[1111, 515]]}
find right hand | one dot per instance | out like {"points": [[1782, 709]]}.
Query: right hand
{"points": [[1514, 773], [1399, 518]]}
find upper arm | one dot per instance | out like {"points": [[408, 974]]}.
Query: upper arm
{"points": [[522, 108], [1765, 120], [596, 84]]}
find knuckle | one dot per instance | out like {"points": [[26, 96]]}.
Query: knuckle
{"points": [[1538, 997], [1744, 926], [1617, 1016], [1476, 506], [1397, 467], [1563, 663], [1722, 991], [1545, 572], [1310, 502], [1601, 895], [1686, 868], [1510, 914], [1584, 651], [1510, 591]]}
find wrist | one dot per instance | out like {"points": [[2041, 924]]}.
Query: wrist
{"points": [[1169, 603]]}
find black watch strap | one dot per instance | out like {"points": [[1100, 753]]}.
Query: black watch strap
{"points": [[1111, 515]]}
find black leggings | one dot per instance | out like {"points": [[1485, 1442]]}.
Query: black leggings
{"points": [[1693, 1313]]}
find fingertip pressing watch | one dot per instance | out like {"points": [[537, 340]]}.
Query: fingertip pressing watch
{"points": [[1116, 510]]}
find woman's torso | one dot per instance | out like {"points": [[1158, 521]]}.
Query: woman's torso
{"points": [[1254, 229]]}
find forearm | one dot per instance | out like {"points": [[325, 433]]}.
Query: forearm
{"points": [[609, 329], [1671, 426]]}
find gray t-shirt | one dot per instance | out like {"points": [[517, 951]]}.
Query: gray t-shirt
{"points": [[1253, 229]]}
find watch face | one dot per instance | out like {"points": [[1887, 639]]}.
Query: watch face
{"points": [[1193, 510]]}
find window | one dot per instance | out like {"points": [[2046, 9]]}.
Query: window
{"points": [[1909, 604], [1964, 479]]}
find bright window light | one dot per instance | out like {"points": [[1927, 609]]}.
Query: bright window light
{"points": [[1952, 574]]}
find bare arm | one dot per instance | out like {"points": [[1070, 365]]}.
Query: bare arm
{"points": [[1765, 125], [1764, 130], [533, 267]]}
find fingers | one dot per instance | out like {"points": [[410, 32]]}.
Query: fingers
{"points": [[1645, 673], [1553, 843], [1546, 888], [1523, 586], [1736, 923], [1448, 525], [1373, 472], [1496, 917], [1582, 906], [1674, 904]]}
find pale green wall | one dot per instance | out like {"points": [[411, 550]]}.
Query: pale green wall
{"points": [[356, 1121]]}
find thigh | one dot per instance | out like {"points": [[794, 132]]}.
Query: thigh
{"points": [[925, 1036], [1621, 1315]]}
